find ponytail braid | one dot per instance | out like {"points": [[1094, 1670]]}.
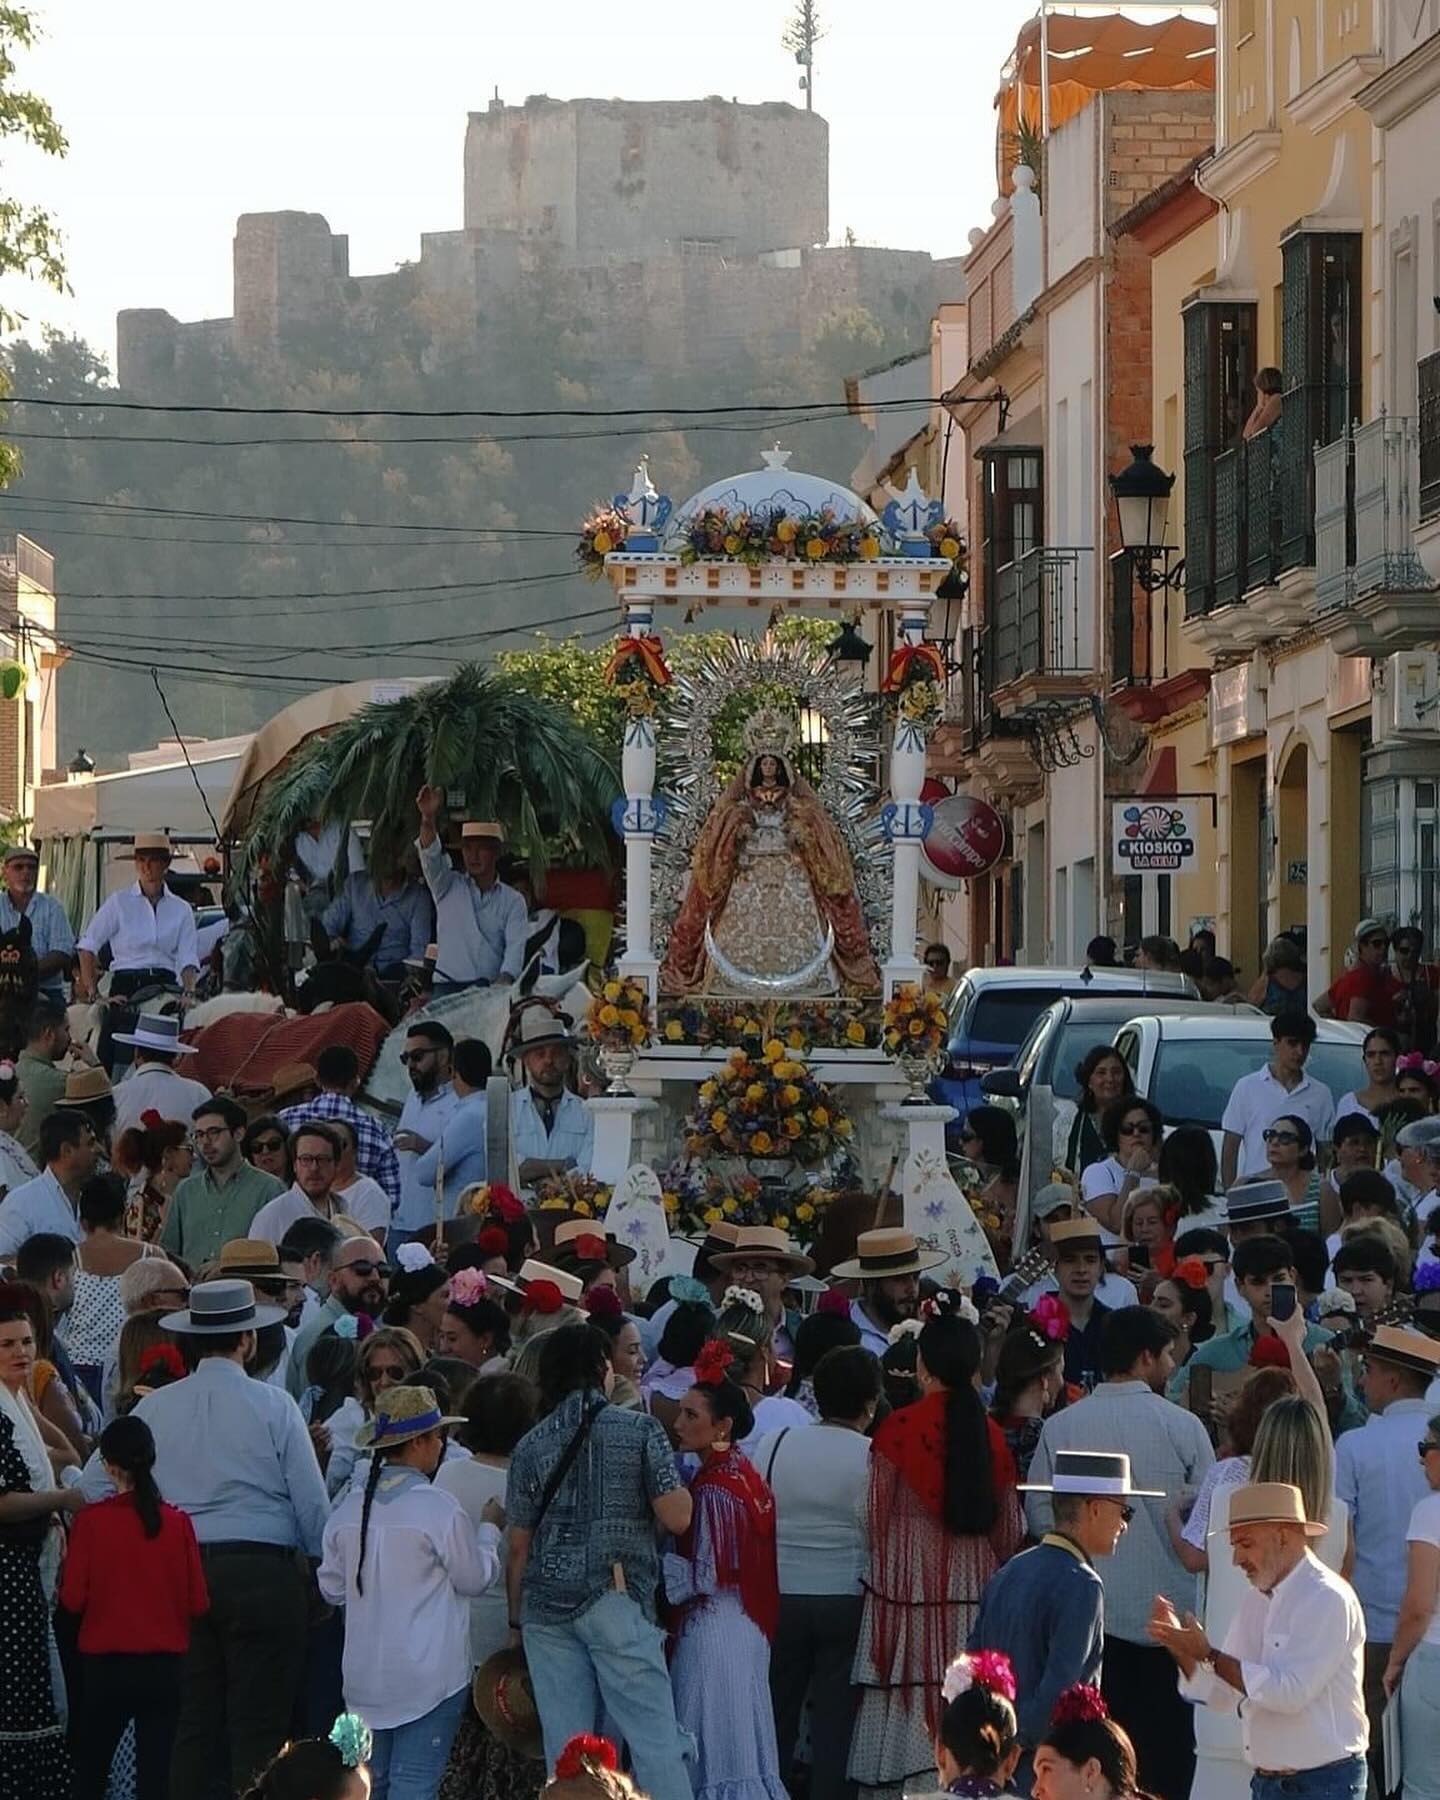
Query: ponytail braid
{"points": [[372, 1481]]}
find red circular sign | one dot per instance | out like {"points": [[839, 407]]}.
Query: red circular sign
{"points": [[966, 838]]}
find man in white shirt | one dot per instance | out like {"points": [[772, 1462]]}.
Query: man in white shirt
{"points": [[69, 1153], [317, 1163], [155, 1084], [51, 938], [150, 931], [1294, 1655], [1380, 1478], [480, 924], [1280, 1089], [428, 1108], [551, 1129], [888, 1264]]}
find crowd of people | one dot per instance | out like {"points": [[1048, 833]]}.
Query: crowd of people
{"points": [[304, 1496]]}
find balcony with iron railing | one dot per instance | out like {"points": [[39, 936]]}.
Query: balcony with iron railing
{"points": [[1373, 595], [1039, 644]]}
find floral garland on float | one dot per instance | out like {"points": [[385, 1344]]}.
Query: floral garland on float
{"points": [[770, 1106], [637, 674], [696, 1199], [715, 534], [946, 539], [831, 1024], [914, 687], [604, 532], [619, 1024]]}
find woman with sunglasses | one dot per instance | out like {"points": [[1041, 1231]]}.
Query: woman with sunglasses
{"points": [[1381, 1051], [1290, 1154], [389, 1357], [1414, 1665], [266, 1145], [1132, 1130], [938, 979], [1101, 1079], [1367, 992]]}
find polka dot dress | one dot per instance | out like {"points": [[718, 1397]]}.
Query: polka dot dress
{"points": [[34, 1762]]}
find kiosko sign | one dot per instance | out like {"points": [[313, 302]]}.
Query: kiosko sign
{"points": [[1154, 837], [966, 838]]}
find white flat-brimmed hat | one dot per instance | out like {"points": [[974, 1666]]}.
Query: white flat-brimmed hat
{"points": [[1270, 1503], [156, 1031], [1102, 1474], [221, 1306], [880, 1254], [154, 841], [537, 1025]]}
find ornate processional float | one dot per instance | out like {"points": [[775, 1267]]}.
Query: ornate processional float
{"points": [[766, 1029]]}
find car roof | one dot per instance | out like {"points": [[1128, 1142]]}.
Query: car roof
{"points": [[1103, 1007], [1083, 981], [1247, 1025]]}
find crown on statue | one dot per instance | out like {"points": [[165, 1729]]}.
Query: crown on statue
{"points": [[769, 731]]}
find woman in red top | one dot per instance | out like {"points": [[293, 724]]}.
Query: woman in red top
{"points": [[132, 1574], [944, 1515]]}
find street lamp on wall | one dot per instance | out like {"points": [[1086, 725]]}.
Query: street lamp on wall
{"points": [[1142, 506]]}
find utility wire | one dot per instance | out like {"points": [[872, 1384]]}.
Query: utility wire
{"points": [[104, 403]]}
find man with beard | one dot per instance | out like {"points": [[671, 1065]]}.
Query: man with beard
{"points": [[551, 1129], [216, 1202], [1294, 1654], [888, 1265], [359, 1279], [427, 1110], [317, 1152]]}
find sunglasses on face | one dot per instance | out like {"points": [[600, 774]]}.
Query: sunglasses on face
{"points": [[1425, 1446], [265, 1146], [367, 1268], [413, 1056], [388, 1372], [1137, 1128], [1281, 1137], [1127, 1513]]}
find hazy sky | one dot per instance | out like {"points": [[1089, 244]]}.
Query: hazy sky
{"points": [[183, 113]]}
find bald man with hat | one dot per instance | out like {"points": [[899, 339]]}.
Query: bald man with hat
{"points": [[1292, 1663], [480, 924]]}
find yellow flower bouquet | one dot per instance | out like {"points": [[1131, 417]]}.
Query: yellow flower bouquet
{"points": [[619, 1017], [767, 1105]]}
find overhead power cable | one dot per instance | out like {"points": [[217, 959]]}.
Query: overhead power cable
{"points": [[104, 403]]}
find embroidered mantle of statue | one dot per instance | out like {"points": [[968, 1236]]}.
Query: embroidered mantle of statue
{"points": [[771, 905]]}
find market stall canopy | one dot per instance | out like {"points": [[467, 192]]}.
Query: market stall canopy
{"points": [[1094, 53], [276, 742]]}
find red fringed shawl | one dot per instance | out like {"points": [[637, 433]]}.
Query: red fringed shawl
{"points": [[741, 1535], [925, 1583]]}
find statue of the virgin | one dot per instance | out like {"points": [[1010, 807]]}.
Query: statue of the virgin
{"points": [[771, 906]]}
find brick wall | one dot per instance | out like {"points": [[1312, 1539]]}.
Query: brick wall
{"points": [[1127, 326], [1149, 137]]}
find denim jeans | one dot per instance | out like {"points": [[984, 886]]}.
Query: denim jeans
{"points": [[1343, 1780], [407, 1761], [610, 1656], [1420, 1722]]}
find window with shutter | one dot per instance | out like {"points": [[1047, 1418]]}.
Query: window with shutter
{"points": [[1321, 361], [1219, 346]]}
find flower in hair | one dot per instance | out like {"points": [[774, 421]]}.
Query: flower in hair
{"points": [[1191, 1271], [543, 1297], [1081, 1703], [713, 1362], [1050, 1317], [505, 1203], [413, 1256], [494, 1240], [1268, 1352], [746, 1297], [1427, 1277], [163, 1356], [7, 1070], [685, 1290], [468, 1287], [904, 1328], [351, 1737], [603, 1303], [347, 1326], [980, 1668], [151, 1120], [584, 1753], [950, 1303], [834, 1300]]}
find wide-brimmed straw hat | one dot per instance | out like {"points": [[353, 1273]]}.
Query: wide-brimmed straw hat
{"points": [[252, 1258], [83, 1086], [156, 1031], [402, 1413], [220, 1306], [763, 1241], [879, 1254], [482, 828], [505, 1700], [1270, 1503], [1412, 1350], [570, 1285], [1083, 1233], [537, 1025], [1102, 1474], [156, 841], [587, 1241], [1254, 1200]]}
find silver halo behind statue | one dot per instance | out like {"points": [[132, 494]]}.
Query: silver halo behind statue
{"points": [[770, 987]]}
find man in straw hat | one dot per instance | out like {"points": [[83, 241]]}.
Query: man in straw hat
{"points": [[149, 931], [551, 1128], [155, 1083], [765, 1261], [1169, 1450], [480, 924], [1294, 1654], [888, 1265], [51, 938], [1379, 1477], [235, 1455], [1046, 1607]]}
